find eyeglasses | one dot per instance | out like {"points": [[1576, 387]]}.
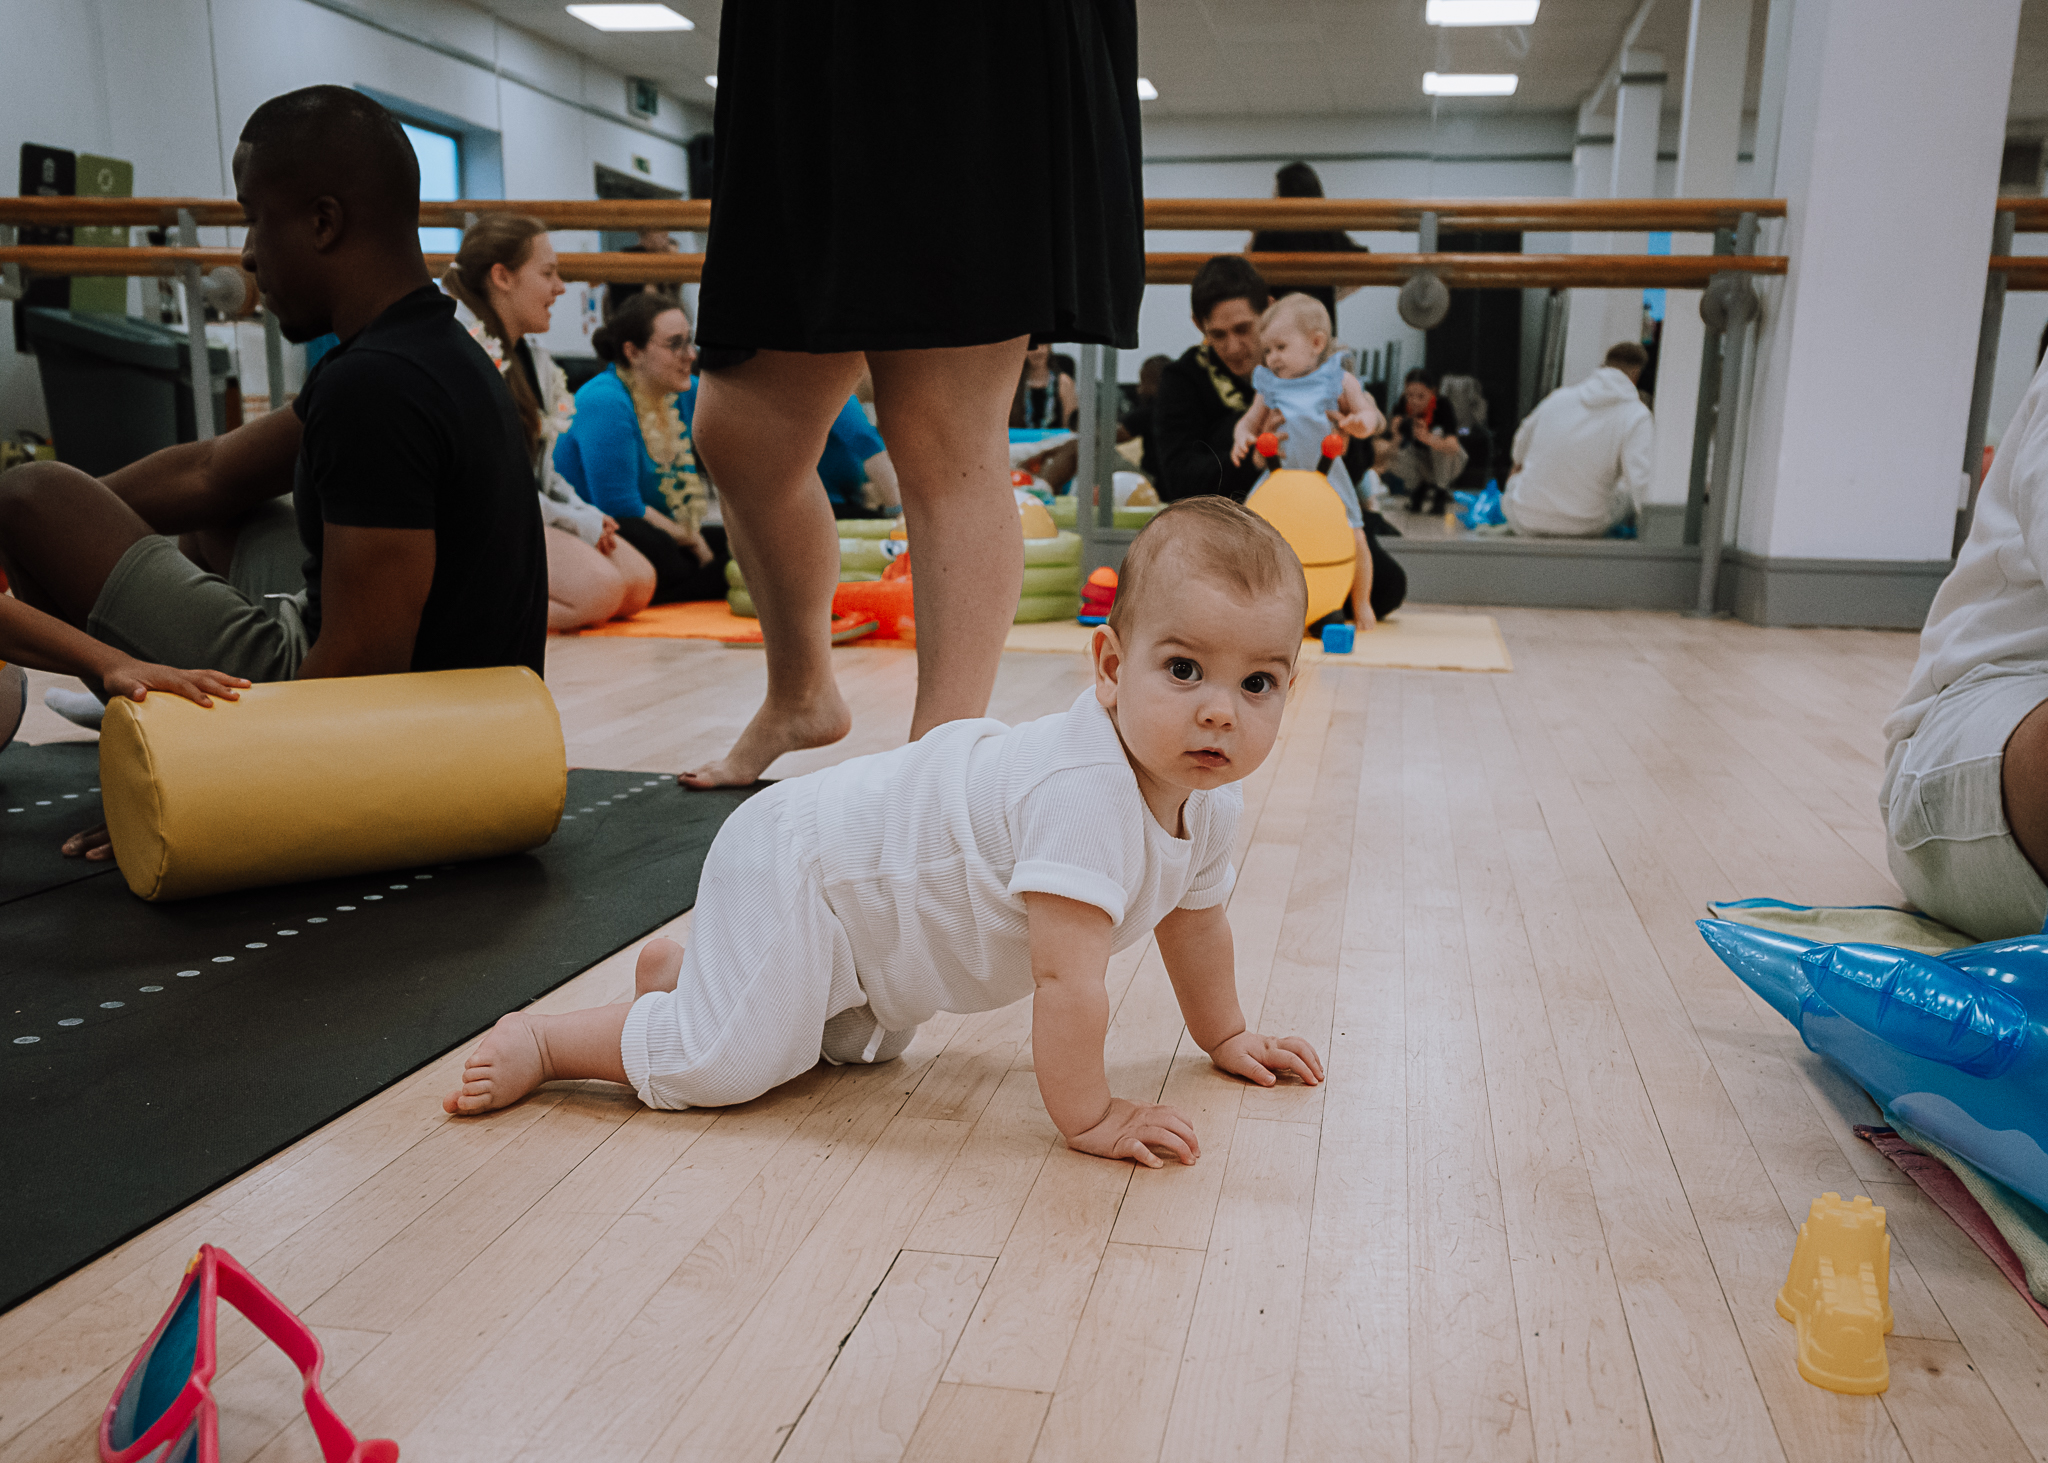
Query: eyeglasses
{"points": [[164, 1411], [676, 344]]}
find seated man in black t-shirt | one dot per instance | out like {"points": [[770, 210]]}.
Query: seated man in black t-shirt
{"points": [[416, 518]]}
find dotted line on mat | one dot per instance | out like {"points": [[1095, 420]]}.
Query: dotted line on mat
{"points": [[50, 802], [68, 1022]]}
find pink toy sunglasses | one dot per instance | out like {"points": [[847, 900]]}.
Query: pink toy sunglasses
{"points": [[164, 1412]]}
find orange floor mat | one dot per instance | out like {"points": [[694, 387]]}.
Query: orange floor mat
{"points": [[713, 619]]}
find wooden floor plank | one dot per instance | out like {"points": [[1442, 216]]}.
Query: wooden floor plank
{"points": [[1113, 1394], [1235, 1388], [984, 1424], [869, 1406], [1467, 1373]]}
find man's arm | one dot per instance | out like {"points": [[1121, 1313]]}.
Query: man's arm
{"points": [[373, 586], [1639, 459], [882, 475], [1519, 452], [212, 483], [1195, 431]]}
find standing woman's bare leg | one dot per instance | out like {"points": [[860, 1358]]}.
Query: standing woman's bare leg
{"points": [[760, 428], [945, 416]]}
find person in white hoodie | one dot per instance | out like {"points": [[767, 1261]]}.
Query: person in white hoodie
{"points": [[1582, 458]]}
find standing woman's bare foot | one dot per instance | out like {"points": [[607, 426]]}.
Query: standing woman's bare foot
{"points": [[773, 731], [660, 963], [507, 1064]]}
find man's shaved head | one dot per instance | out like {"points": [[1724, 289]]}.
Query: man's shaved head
{"points": [[334, 142], [330, 192]]}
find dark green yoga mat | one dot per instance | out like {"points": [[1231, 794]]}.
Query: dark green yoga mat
{"points": [[149, 1053], [47, 793]]}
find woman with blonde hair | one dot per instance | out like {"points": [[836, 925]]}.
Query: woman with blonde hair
{"points": [[507, 277]]}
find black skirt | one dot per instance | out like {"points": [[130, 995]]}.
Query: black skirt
{"points": [[919, 174]]}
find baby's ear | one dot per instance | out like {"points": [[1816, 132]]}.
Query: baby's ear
{"points": [[1106, 651]]}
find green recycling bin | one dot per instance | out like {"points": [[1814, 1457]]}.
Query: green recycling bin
{"points": [[117, 389]]}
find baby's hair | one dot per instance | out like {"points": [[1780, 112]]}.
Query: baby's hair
{"points": [[1305, 313], [1211, 536]]}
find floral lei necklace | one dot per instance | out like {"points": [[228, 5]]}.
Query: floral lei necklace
{"points": [[668, 444]]}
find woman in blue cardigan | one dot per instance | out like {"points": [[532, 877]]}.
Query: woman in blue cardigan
{"points": [[628, 449]]}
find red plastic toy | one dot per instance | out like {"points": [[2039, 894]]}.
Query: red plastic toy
{"points": [[164, 1405], [1268, 447], [886, 601], [1333, 448], [1098, 595]]}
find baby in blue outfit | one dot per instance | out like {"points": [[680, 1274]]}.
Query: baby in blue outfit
{"points": [[1303, 392]]}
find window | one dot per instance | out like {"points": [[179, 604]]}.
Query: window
{"points": [[440, 156]]}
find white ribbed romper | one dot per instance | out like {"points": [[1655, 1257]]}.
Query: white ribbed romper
{"points": [[895, 883]]}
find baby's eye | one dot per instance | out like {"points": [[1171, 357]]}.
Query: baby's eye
{"points": [[1183, 669], [1258, 683]]}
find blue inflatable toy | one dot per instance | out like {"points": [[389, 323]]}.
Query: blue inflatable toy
{"points": [[1954, 1044], [1481, 508]]}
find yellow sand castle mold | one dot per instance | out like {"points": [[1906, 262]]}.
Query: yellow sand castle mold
{"points": [[1838, 1295]]}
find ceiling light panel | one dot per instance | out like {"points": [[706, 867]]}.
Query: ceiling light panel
{"points": [[631, 17], [1469, 83], [1482, 12]]}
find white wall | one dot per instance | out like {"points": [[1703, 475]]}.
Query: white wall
{"points": [[1886, 103], [140, 81], [1370, 157]]}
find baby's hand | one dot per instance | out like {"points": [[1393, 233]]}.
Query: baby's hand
{"points": [[1262, 1059], [135, 679], [1361, 423], [1241, 439], [1133, 1129]]}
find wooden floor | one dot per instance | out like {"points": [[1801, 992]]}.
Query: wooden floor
{"points": [[1539, 1210]]}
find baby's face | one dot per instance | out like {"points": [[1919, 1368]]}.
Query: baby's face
{"points": [[1292, 351], [1198, 689]]}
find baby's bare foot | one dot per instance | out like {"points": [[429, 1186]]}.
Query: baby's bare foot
{"points": [[661, 961], [507, 1064]]}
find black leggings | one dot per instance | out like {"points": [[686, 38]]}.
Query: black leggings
{"points": [[677, 574], [1389, 580]]}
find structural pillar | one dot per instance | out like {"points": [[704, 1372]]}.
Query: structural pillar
{"points": [[1592, 177], [1709, 134], [1638, 114], [1888, 163], [1601, 317]]}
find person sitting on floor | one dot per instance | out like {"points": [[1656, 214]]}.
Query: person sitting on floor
{"points": [[506, 275], [1965, 789], [1045, 395], [1427, 456], [1468, 408], [979, 865], [412, 525], [1582, 459], [855, 468], [628, 448]]}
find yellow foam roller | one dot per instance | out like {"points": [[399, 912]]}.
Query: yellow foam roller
{"points": [[322, 779], [1306, 510]]}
